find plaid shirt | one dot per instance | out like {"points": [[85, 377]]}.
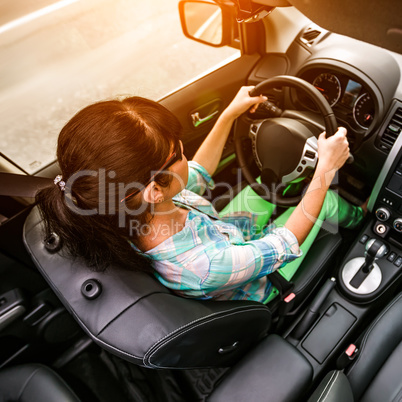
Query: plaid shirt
{"points": [[220, 259]]}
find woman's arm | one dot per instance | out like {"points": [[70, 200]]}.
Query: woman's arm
{"points": [[332, 152], [210, 151]]}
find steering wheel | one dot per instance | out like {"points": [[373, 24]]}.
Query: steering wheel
{"points": [[284, 147]]}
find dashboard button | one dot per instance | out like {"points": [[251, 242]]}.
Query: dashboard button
{"points": [[382, 214], [391, 257], [364, 239], [398, 225], [398, 262]]}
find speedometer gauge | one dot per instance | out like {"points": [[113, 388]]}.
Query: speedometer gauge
{"points": [[363, 111], [328, 84]]}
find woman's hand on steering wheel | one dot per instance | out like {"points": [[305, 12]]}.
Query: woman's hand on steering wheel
{"points": [[333, 151], [242, 102]]}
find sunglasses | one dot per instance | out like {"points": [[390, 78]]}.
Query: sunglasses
{"points": [[176, 156]]}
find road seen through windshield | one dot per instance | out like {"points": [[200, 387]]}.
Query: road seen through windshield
{"points": [[59, 57]]}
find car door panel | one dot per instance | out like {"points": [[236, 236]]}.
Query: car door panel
{"points": [[217, 88]]}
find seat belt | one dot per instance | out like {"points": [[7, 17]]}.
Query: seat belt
{"points": [[19, 185], [286, 295], [284, 286]]}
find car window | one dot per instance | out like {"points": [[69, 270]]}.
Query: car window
{"points": [[56, 57]]}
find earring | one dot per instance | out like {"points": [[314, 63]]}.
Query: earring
{"points": [[161, 199]]}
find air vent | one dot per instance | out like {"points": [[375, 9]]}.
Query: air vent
{"points": [[391, 132], [309, 35]]}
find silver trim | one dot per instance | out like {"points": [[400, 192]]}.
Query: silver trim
{"points": [[386, 167], [312, 146], [369, 285], [253, 135], [397, 220], [11, 315], [386, 212]]}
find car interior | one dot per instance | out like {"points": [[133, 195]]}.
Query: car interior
{"points": [[334, 331]]}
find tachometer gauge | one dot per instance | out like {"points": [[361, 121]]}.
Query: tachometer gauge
{"points": [[363, 111], [329, 85]]}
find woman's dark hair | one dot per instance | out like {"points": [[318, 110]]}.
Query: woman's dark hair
{"points": [[103, 148]]}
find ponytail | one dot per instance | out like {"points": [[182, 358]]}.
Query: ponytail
{"points": [[92, 239]]}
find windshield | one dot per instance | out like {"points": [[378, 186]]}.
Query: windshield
{"points": [[57, 57]]}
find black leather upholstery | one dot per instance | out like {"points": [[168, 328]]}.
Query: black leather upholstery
{"points": [[138, 319], [334, 387], [274, 371], [315, 265], [376, 373], [34, 383]]}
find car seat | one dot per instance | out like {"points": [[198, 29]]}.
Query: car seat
{"points": [[133, 316], [375, 372], [33, 383], [372, 374]]}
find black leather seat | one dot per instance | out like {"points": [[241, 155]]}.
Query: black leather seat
{"points": [[133, 316], [33, 383], [375, 374]]}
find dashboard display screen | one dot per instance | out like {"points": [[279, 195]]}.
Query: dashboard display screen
{"points": [[351, 93]]}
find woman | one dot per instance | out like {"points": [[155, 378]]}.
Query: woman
{"points": [[122, 199]]}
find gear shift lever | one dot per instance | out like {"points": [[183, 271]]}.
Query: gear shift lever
{"points": [[375, 249]]}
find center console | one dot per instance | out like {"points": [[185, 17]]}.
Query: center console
{"points": [[384, 231], [367, 278]]}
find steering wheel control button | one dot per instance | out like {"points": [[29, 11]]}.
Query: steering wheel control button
{"points": [[391, 257], [364, 239], [382, 214], [310, 154], [91, 289], [398, 262], [398, 225]]}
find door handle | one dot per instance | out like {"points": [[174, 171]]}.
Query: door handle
{"points": [[197, 120]]}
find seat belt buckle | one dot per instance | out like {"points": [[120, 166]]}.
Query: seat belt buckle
{"points": [[347, 356]]}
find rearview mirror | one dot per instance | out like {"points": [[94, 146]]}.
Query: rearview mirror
{"points": [[206, 22]]}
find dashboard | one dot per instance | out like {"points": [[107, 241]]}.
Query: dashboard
{"points": [[353, 101], [350, 99], [362, 84]]}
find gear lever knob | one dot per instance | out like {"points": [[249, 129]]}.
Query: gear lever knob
{"points": [[375, 249]]}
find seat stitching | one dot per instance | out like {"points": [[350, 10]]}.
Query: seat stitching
{"points": [[329, 382], [128, 307], [333, 383], [27, 382], [213, 316], [158, 345], [366, 336], [398, 396]]}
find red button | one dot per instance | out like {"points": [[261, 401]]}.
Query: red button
{"points": [[350, 350], [289, 298]]}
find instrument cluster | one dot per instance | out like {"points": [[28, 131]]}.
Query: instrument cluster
{"points": [[349, 98]]}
